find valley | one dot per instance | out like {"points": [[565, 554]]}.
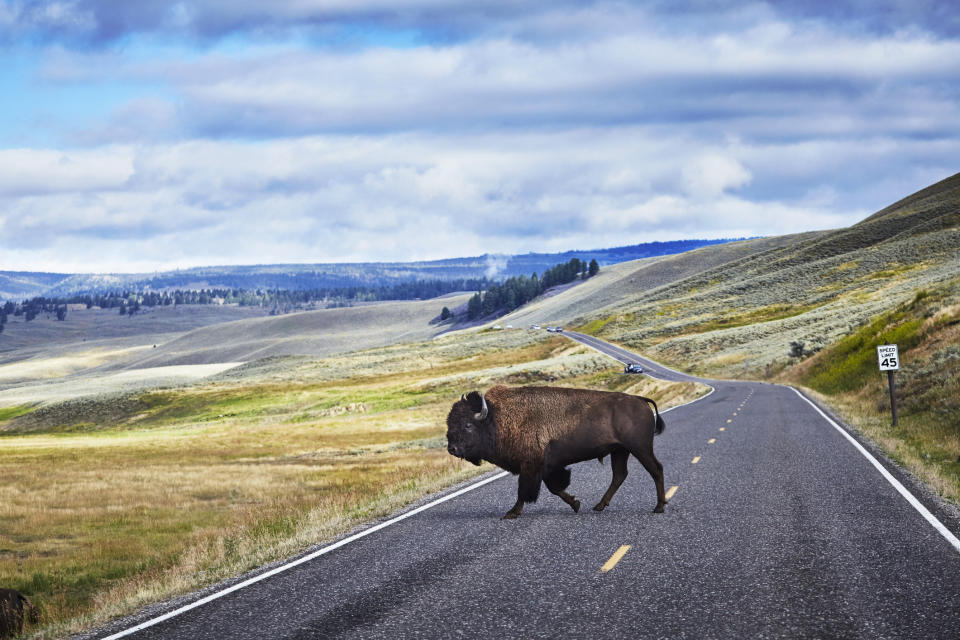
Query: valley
{"points": [[156, 454]]}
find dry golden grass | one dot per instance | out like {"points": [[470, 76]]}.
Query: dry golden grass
{"points": [[928, 449]]}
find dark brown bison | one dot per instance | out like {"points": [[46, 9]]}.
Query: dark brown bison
{"points": [[13, 607], [536, 432]]}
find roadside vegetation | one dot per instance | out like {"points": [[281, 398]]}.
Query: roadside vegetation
{"points": [[113, 502], [845, 374]]}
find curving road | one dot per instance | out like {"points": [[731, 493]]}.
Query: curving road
{"points": [[780, 526]]}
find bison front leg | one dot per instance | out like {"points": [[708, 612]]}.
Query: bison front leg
{"points": [[528, 490], [557, 481]]}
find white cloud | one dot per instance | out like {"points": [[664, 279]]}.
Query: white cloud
{"points": [[405, 197], [710, 174], [539, 128]]}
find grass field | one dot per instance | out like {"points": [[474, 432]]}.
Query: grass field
{"points": [[116, 503]]}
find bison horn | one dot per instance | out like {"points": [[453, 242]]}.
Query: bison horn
{"points": [[483, 411]]}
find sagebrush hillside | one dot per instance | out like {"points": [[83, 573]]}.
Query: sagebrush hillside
{"points": [[740, 316]]}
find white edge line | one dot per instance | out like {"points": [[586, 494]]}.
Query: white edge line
{"points": [[304, 559], [916, 504]]}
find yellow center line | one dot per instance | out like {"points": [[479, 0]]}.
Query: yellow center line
{"points": [[615, 558], [729, 421], [723, 428], [672, 490], [711, 440], [695, 460]]}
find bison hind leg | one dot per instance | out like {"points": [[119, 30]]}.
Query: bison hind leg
{"points": [[618, 463]]}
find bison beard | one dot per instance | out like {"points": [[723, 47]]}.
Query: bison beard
{"points": [[536, 432]]}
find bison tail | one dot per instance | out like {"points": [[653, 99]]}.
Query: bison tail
{"points": [[658, 426]]}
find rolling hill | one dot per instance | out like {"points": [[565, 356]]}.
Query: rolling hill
{"points": [[16, 285], [734, 309]]}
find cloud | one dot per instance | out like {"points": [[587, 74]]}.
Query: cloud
{"points": [[767, 80], [102, 22], [401, 197], [240, 132], [710, 175]]}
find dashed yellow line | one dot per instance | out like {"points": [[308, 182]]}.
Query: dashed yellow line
{"points": [[695, 460], [672, 490], [711, 440], [615, 558], [722, 429], [729, 421]]}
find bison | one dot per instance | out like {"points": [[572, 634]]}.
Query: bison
{"points": [[535, 432], [13, 606]]}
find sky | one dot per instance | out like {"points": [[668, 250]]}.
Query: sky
{"points": [[146, 136]]}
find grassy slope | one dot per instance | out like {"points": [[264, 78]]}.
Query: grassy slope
{"points": [[739, 317], [306, 333]]}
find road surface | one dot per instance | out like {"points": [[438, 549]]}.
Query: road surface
{"points": [[779, 526]]}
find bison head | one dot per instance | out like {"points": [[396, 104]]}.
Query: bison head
{"points": [[468, 428]]}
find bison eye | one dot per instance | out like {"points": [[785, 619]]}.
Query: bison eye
{"points": [[469, 426]]}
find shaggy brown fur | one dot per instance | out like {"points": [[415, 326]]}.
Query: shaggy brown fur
{"points": [[13, 608], [535, 432]]}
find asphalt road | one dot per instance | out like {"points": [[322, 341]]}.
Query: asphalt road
{"points": [[778, 527]]}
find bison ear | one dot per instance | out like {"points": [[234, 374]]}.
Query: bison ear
{"points": [[474, 401]]}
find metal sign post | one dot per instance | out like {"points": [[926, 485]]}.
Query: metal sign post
{"points": [[889, 360]]}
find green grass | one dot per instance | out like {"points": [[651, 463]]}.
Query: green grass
{"points": [[9, 413], [851, 362], [595, 326], [754, 316]]}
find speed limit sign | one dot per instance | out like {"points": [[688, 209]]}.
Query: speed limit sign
{"points": [[888, 357]]}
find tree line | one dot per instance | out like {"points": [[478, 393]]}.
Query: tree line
{"points": [[128, 303], [519, 290], [491, 296]]}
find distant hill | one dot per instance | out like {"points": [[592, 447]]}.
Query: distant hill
{"points": [[21, 285], [16, 285], [734, 309]]}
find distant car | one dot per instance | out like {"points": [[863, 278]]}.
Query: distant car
{"points": [[551, 329], [497, 327], [559, 329], [534, 326], [633, 368]]}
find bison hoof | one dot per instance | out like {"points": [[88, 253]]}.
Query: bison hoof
{"points": [[658, 509], [600, 507], [510, 515], [576, 506]]}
